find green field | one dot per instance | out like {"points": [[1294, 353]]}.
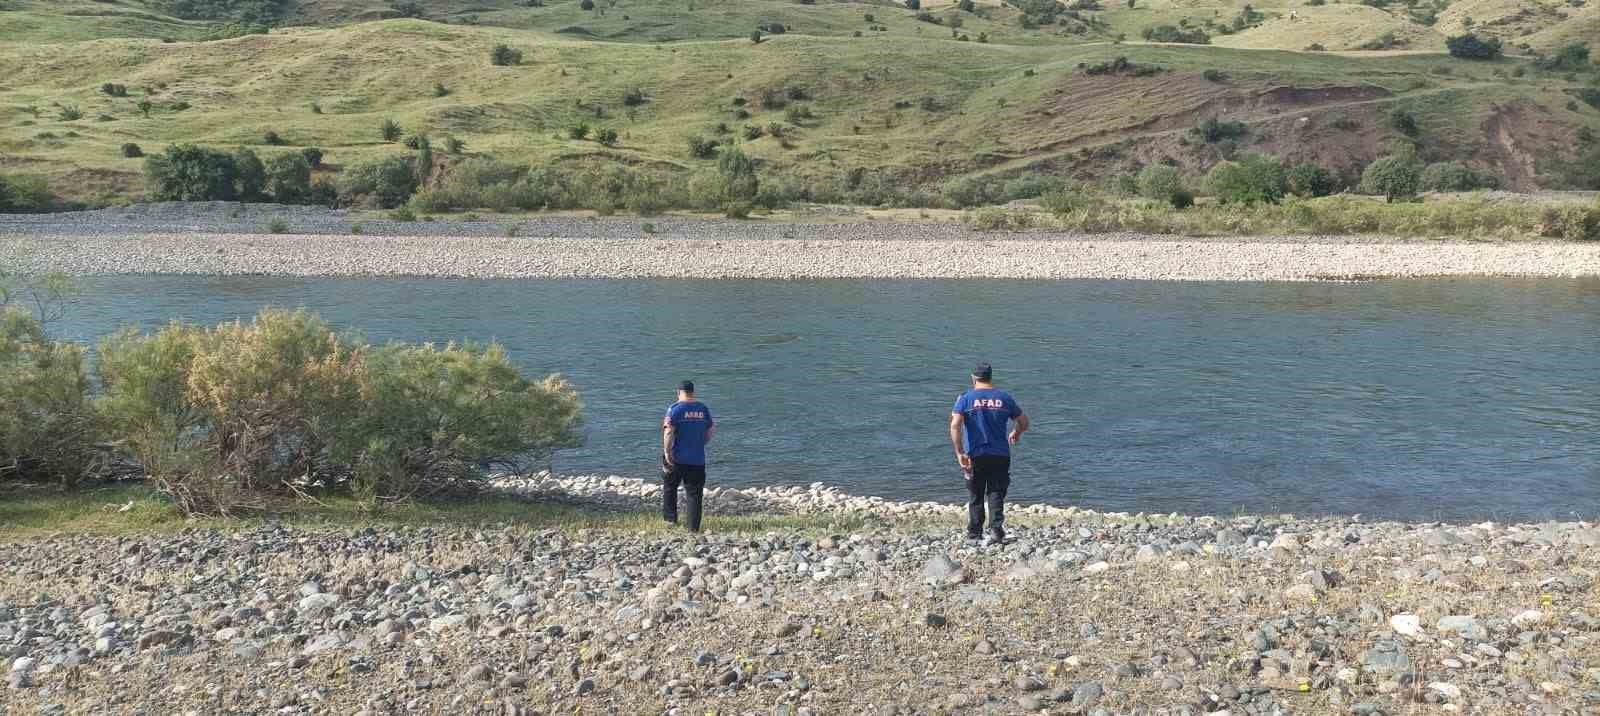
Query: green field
{"points": [[908, 104]]}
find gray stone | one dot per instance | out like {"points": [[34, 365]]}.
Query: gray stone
{"points": [[1386, 658], [326, 642], [935, 620], [943, 570], [1030, 703], [1087, 694], [317, 601], [1464, 626]]}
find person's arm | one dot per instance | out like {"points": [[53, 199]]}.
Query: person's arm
{"points": [[667, 434], [1018, 418], [1021, 426], [711, 426], [962, 459]]}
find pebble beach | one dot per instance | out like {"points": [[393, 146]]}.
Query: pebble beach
{"points": [[886, 611], [226, 240]]}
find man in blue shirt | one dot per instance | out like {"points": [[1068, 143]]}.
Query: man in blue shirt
{"points": [[685, 431], [983, 449]]}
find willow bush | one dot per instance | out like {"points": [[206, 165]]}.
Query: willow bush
{"points": [[227, 418]]}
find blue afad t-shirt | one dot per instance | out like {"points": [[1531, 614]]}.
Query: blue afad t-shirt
{"points": [[985, 412], [691, 420]]}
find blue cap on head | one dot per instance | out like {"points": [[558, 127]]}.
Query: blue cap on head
{"points": [[686, 386], [984, 372]]}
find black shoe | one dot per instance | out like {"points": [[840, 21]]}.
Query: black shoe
{"points": [[996, 536], [974, 540]]}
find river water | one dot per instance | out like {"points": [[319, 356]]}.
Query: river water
{"points": [[1431, 399]]}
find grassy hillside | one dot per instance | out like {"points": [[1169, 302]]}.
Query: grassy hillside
{"points": [[906, 104]]}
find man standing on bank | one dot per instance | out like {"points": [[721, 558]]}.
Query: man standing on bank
{"points": [[685, 431], [983, 449]]}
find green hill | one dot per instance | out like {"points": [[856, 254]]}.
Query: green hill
{"points": [[908, 102]]}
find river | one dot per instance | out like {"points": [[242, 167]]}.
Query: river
{"points": [[1450, 399]]}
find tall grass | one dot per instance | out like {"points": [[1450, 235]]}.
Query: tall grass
{"points": [[1336, 215]]}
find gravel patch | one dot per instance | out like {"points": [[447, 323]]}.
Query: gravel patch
{"points": [[1080, 613], [685, 258], [230, 239]]}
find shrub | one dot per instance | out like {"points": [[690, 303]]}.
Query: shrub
{"points": [[289, 178], [271, 138], [481, 182], [739, 173], [1173, 33], [1454, 176], [252, 174], [70, 113], [1257, 178], [439, 90], [700, 147], [505, 56], [1213, 130], [1182, 198], [913, 4], [185, 172], [1214, 75], [403, 214], [1572, 222], [586, 4], [225, 418], [797, 114], [144, 107], [48, 428], [1472, 47], [454, 145], [755, 36], [389, 182], [1160, 182], [313, 156], [1310, 180], [752, 132], [1402, 121], [633, 97], [323, 193], [967, 6], [1029, 186], [132, 151], [1590, 96], [607, 136], [1571, 58], [277, 226], [772, 100], [1393, 177], [114, 90], [578, 131], [390, 130]]}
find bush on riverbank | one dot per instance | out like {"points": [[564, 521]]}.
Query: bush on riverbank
{"points": [[222, 419], [48, 426], [228, 419], [1334, 215]]}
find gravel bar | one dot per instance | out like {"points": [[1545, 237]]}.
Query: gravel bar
{"points": [[232, 239], [695, 258], [885, 612]]}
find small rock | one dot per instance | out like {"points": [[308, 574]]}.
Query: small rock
{"points": [[1408, 625]]}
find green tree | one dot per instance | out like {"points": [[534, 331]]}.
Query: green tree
{"points": [[1160, 182], [740, 174], [1310, 180], [185, 172], [144, 107], [505, 56], [390, 130], [252, 176], [289, 178], [389, 181], [1394, 177], [1255, 178], [1472, 47]]}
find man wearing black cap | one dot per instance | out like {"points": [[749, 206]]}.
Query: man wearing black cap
{"points": [[685, 431], [983, 449]]}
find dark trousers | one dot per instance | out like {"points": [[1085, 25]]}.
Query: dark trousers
{"points": [[991, 477], [693, 479]]}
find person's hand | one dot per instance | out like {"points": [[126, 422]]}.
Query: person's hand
{"points": [[965, 461], [666, 461], [1014, 437]]}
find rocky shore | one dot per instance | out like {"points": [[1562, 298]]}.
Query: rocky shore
{"points": [[1081, 613], [202, 239]]}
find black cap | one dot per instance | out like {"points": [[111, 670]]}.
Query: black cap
{"points": [[686, 386], [984, 371]]}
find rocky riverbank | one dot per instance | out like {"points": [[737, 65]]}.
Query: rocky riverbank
{"points": [[1082, 613], [201, 239]]}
